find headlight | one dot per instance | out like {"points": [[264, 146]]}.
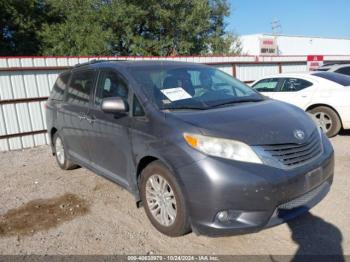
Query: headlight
{"points": [[224, 148]]}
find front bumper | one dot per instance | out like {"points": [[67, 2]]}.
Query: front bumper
{"points": [[260, 196]]}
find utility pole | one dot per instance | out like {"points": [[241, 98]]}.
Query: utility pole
{"points": [[276, 28]]}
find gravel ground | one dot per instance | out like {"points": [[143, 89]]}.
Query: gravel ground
{"points": [[98, 217]]}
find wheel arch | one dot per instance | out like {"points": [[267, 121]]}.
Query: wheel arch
{"points": [[53, 131], [144, 162], [325, 105]]}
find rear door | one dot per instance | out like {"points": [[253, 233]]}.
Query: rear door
{"points": [[295, 91], [109, 141], [74, 119]]}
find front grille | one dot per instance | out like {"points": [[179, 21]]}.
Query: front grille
{"points": [[304, 199], [295, 154]]}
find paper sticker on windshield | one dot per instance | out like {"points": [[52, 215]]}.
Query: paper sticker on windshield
{"points": [[177, 93]]}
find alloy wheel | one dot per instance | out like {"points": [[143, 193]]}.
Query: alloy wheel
{"points": [[161, 200], [324, 121], [59, 149]]}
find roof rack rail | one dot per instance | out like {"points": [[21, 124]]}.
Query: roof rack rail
{"points": [[95, 61]]}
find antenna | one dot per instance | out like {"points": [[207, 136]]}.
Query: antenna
{"points": [[276, 27]]}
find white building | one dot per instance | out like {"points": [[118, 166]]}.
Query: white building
{"points": [[268, 44]]}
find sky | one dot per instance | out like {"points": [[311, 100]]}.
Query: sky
{"points": [[326, 18]]}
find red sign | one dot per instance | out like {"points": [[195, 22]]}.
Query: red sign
{"points": [[314, 62], [268, 42], [268, 46], [314, 58]]}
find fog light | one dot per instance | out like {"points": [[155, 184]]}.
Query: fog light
{"points": [[227, 216]]}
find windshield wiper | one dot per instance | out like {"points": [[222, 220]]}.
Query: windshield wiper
{"points": [[184, 108], [237, 102]]}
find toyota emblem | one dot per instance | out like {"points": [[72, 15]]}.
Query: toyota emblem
{"points": [[299, 134]]}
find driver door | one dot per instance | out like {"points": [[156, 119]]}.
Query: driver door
{"points": [[110, 145]]}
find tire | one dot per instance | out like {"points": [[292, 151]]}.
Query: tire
{"points": [[327, 119], [60, 154], [150, 177]]}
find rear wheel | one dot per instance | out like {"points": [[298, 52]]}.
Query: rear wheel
{"points": [[326, 119], [163, 201], [61, 155]]}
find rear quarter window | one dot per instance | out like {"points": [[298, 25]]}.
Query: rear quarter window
{"points": [[340, 79], [57, 92], [294, 84]]}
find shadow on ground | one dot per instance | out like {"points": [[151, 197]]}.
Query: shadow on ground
{"points": [[344, 132], [314, 236]]}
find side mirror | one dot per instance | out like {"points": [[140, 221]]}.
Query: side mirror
{"points": [[114, 105]]}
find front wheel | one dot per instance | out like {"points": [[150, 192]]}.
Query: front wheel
{"points": [[163, 201], [326, 119]]}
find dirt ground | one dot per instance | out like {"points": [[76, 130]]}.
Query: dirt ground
{"points": [[44, 210]]}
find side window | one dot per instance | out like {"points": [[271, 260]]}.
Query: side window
{"points": [[80, 87], [267, 85], [344, 71], [110, 85], [59, 87], [294, 84], [137, 108]]}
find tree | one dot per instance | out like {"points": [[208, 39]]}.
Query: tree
{"points": [[138, 27], [115, 27], [80, 31], [219, 41], [20, 23]]}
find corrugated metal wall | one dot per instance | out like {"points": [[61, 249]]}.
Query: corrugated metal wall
{"points": [[25, 83]]}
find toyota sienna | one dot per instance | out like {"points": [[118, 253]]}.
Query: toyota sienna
{"points": [[197, 148]]}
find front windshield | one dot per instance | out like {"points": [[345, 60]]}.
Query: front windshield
{"points": [[193, 87]]}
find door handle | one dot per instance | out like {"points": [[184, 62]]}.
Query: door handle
{"points": [[90, 120], [81, 117]]}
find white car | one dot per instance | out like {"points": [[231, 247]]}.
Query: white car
{"points": [[336, 68], [325, 95]]}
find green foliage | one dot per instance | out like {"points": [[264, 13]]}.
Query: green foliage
{"points": [[20, 22], [80, 30], [124, 27]]}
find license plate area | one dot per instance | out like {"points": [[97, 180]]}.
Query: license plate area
{"points": [[314, 177]]}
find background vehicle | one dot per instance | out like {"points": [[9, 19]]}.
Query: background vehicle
{"points": [[336, 68], [198, 148], [325, 95]]}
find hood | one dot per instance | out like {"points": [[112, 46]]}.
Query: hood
{"points": [[259, 123]]}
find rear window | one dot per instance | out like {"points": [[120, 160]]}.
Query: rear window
{"points": [[344, 71], [322, 69], [343, 80], [60, 85]]}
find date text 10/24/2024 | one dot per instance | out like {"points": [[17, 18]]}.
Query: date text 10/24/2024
{"points": [[172, 258]]}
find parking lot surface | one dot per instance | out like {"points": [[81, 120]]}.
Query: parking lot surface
{"points": [[45, 210]]}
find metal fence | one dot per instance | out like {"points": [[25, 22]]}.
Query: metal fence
{"points": [[25, 84]]}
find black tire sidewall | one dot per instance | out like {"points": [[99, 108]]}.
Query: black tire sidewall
{"points": [[181, 224], [336, 124]]}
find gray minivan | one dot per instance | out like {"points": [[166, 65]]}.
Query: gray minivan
{"points": [[197, 148]]}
